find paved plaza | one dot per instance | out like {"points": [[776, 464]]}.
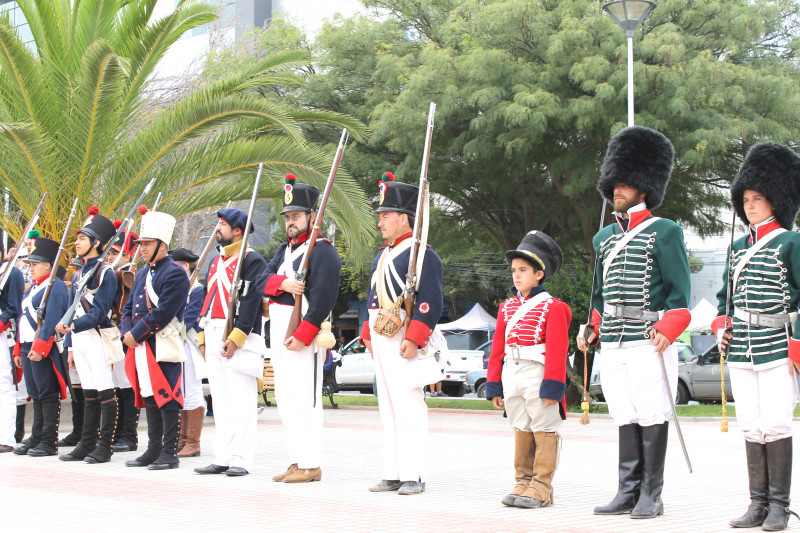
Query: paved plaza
{"points": [[470, 465]]}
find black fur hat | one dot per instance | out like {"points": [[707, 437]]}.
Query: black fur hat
{"points": [[773, 170], [640, 158]]}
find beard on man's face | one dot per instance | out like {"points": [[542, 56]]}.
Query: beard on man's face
{"points": [[223, 241]]}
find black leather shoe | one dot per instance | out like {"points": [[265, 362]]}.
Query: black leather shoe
{"points": [[135, 463], [211, 469], [124, 447], [163, 466], [387, 485], [236, 471]]}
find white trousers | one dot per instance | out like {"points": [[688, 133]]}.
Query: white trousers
{"points": [[403, 412], [633, 384], [765, 401], [74, 378], [8, 395], [118, 375], [90, 361], [525, 409], [142, 371], [192, 386], [295, 393], [235, 397]]}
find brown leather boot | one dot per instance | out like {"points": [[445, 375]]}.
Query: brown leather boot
{"points": [[290, 470], [184, 438], [304, 475], [524, 449], [540, 489], [194, 422]]}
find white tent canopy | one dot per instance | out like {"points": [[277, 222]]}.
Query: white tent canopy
{"points": [[477, 319], [702, 315]]}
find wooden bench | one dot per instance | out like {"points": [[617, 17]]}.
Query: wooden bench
{"points": [[269, 382]]}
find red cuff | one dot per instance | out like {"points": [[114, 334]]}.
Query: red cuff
{"points": [[597, 318], [4, 326], [418, 332], [17, 350], [720, 323], [306, 332], [272, 288], [794, 350], [366, 333], [43, 346], [674, 323]]}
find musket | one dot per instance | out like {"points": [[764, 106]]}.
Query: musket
{"points": [[135, 257], [236, 283], [723, 349], [28, 228], [83, 284], [587, 331], [40, 311], [300, 275], [419, 235], [199, 265]]}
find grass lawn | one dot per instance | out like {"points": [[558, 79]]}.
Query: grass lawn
{"points": [[368, 400]]}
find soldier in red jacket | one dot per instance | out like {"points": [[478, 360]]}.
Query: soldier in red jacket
{"points": [[528, 368]]}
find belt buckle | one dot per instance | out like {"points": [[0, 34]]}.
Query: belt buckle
{"points": [[616, 310], [754, 319], [515, 353]]}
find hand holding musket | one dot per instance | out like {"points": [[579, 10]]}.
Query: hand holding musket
{"points": [[81, 288], [61, 248], [233, 297], [28, 228], [297, 311], [419, 236]]}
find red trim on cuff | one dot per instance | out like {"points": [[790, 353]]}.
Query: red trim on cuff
{"points": [[43, 346], [305, 332], [17, 350], [597, 318], [366, 333], [4, 326], [720, 323], [418, 332], [794, 350], [674, 323], [272, 288]]}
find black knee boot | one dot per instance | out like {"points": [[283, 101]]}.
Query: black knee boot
{"points": [[630, 471], [77, 418], [20, 432], [91, 425], [155, 431], [36, 431], [127, 428], [654, 453], [108, 423], [779, 472], [51, 417], [171, 420], [759, 489]]}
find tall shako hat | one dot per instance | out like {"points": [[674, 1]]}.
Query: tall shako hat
{"points": [[773, 170], [124, 242], [236, 218], [43, 251], [640, 158], [298, 196], [156, 225], [539, 248], [396, 196], [98, 227]]}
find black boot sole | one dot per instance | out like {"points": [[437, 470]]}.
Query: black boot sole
{"points": [[162, 466]]}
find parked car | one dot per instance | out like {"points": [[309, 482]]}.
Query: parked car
{"points": [[476, 382], [357, 371], [698, 376]]}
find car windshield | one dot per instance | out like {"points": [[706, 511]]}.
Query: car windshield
{"points": [[353, 347]]}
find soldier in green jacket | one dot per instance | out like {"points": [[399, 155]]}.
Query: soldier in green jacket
{"points": [[641, 305], [761, 331]]}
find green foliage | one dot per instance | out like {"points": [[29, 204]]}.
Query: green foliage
{"points": [[73, 121]]}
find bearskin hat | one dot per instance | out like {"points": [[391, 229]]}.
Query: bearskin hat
{"points": [[773, 170], [640, 158]]}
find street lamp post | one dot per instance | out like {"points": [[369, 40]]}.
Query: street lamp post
{"points": [[628, 14]]}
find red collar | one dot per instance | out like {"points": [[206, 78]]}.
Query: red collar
{"points": [[635, 218], [303, 237], [398, 240], [41, 280], [759, 231]]}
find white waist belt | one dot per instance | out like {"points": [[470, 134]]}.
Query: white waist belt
{"points": [[627, 311], [771, 320], [525, 353]]}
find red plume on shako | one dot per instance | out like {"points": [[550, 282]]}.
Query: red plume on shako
{"points": [[142, 209], [290, 180], [387, 176], [117, 224], [93, 210]]}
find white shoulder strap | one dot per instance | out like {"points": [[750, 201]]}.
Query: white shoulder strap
{"points": [[752, 251], [523, 309], [623, 242], [151, 292]]}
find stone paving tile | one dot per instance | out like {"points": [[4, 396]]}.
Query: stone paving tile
{"points": [[470, 468]]}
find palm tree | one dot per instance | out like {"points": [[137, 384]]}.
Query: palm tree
{"points": [[73, 121]]}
